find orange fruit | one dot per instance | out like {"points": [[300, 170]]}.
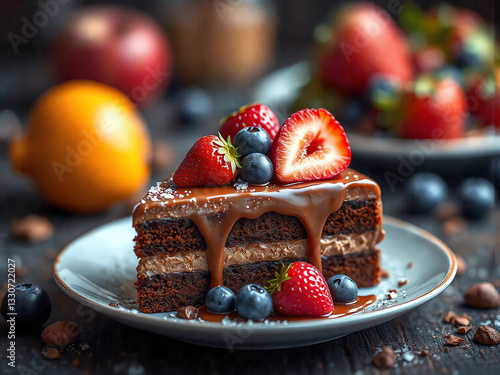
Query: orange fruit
{"points": [[86, 147]]}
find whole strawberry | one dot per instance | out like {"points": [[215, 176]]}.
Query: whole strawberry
{"points": [[250, 115], [434, 110], [301, 290], [211, 161], [364, 41]]}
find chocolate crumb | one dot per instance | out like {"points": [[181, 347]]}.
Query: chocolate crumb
{"points": [[61, 334], [481, 351], [112, 304], [424, 353], [483, 296], [386, 358], [487, 335], [402, 282], [454, 340], [384, 274], [51, 352], [32, 228], [461, 265], [410, 265], [463, 329], [446, 349], [188, 312], [392, 294]]}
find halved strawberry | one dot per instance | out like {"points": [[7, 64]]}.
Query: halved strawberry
{"points": [[301, 290], [311, 145], [255, 114], [211, 161]]}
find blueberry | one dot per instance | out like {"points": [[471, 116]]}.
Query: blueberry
{"points": [[31, 303], [253, 302], [256, 169], [425, 191], [194, 105], [477, 196], [220, 299], [342, 288], [252, 139]]}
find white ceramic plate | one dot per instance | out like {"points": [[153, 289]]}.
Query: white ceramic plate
{"points": [[98, 269]]}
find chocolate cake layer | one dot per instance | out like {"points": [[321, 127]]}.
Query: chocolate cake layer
{"points": [[181, 235], [168, 292]]}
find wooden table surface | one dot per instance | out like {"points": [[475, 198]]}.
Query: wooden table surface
{"points": [[115, 348]]}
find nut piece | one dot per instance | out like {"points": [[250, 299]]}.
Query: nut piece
{"points": [[32, 228], [460, 321], [449, 316], [487, 335], [386, 358], [188, 312], [50, 352], [61, 333], [483, 296], [454, 340], [463, 329]]}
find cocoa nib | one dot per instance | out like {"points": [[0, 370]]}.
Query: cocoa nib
{"points": [[385, 359], [402, 282], [487, 335], [392, 294], [483, 296], [32, 228], [188, 312], [454, 340]]}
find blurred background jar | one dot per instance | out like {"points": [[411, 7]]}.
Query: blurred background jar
{"points": [[221, 42]]}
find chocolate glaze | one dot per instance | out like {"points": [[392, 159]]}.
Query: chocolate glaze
{"points": [[339, 311], [216, 209]]}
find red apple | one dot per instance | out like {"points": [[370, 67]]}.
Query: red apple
{"points": [[118, 46]]}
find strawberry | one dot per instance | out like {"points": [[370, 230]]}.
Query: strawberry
{"points": [[250, 115], [301, 290], [434, 110], [365, 41], [311, 145], [211, 161]]}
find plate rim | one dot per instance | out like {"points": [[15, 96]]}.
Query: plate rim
{"points": [[215, 327]]}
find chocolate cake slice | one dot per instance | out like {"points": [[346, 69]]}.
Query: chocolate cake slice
{"points": [[191, 239]]}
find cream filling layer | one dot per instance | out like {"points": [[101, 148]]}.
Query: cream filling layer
{"points": [[259, 252]]}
